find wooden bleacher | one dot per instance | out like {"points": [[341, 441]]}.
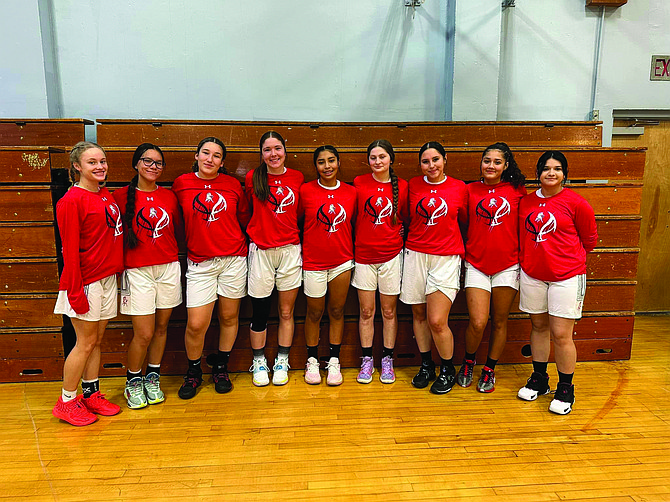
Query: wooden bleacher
{"points": [[28, 331]]}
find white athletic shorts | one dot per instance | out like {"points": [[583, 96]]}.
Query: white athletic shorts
{"points": [[316, 281], [145, 289], [221, 276], [386, 276], [424, 274], [475, 278], [280, 266], [561, 299], [101, 296]]}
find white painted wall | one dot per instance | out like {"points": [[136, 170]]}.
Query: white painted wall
{"points": [[297, 60], [22, 84]]}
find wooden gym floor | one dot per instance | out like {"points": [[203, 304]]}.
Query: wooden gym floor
{"points": [[363, 442]]}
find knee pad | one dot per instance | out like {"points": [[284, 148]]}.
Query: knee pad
{"points": [[261, 312]]}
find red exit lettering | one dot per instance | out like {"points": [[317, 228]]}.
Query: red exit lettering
{"points": [[664, 66]]}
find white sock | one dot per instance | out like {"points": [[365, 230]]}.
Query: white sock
{"points": [[67, 395]]}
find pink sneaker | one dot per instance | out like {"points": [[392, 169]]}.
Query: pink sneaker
{"points": [[98, 404], [367, 369], [388, 374], [73, 412], [312, 375], [334, 374]]}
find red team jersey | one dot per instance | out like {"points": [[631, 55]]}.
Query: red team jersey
{"points": [[555, 235], [274, 223], [92, 236], [327, 239], [156, 219], [493, 226], [378, 240], [435, 210], [214, 213]]}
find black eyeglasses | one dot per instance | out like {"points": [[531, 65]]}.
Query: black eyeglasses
{"points": [[150, 162]]}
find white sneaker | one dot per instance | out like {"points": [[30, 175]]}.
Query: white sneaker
{"points": [[334, 374], [259, 367], [280, 371], [312, 375]]}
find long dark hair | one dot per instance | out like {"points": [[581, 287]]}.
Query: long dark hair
{"points": [[211, 139], [260, 176], [512, 174], [388, 148], [552, 154], [129, 214]]}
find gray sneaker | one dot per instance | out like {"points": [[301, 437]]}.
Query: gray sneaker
{"points": [[152, 388], [134, 393]]}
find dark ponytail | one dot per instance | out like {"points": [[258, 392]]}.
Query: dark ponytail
{"points": [[512, 174], [388, 148], [260, 176], [211, 139]]}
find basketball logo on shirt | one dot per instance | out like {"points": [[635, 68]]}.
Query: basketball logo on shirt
{"points": [[280, 198], [210, 208], [493, 211], [153, 223], [113, 219], [331, 216], [432, 210], [541, 225], [378, 208]]}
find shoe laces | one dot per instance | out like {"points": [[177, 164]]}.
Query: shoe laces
{"points": [[468, 367], [258, 365], [333, 365], [312, 365], [281, 364], [562, 391], [487, 375], [135, 387], [191, 381], [535, 381], [77, 407], [152, 381], [387, 364], [222, 375], [366, 365]]}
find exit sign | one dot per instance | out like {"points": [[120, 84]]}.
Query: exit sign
{"points": [[660, 68]]}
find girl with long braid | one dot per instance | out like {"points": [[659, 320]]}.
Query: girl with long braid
{"points": [[89, 223], [382, 202], [273, 191], [151, 281], [491, 258]]}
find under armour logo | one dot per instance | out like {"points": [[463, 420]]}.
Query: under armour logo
{"points": [[433, 191], [277, 182], [150, 198], [542, 204], [492, 191], [380, 189], [104, 198], [208, 186], [331, 196]]}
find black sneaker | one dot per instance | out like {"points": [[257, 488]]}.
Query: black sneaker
{"points": [[222, 383], [191, 383], [537, 385], [464, 377], [445, 381], [563, 400], [425, 375]]}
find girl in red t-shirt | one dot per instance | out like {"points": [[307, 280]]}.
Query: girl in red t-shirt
{"points": [[382, 199], [89, 223], [491, 258], [329, 209], [151, 281]]}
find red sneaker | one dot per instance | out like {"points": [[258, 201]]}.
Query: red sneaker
{"points": [[73, 412], [98, 404]]}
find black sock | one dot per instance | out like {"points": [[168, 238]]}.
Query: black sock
{"points": [[89, 388], [540, 368], [565, 378], [367, 351], [426, 357], [283, 351], [491, 363], [154, 368], [313, 351], [387, 352], [194, 367], [335, 350], [447, 365], [130, 375], [259, 352], [222, 359], [470, 357]]}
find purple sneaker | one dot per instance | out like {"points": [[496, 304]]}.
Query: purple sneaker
{"points": [[388, 375], [367, 369]]}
